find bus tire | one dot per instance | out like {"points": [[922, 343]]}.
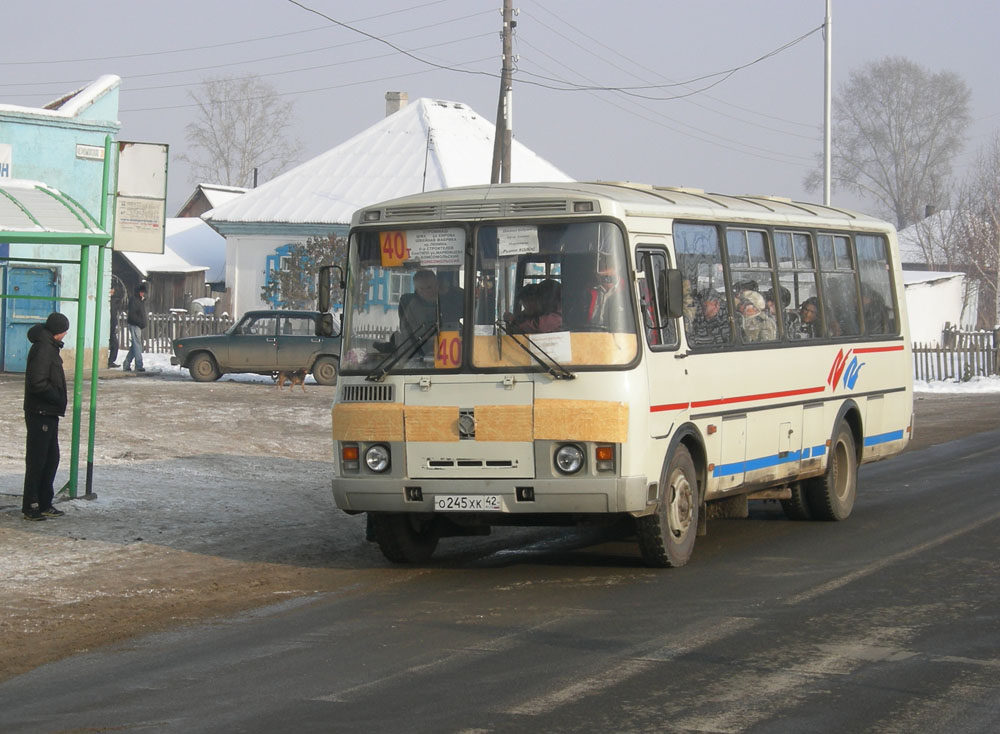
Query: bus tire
{"points": [[666, 538], [203, 368], [797, 506], [404, 537], [831, 496]]}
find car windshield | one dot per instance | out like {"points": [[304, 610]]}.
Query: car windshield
{"points": [[560, 290]]}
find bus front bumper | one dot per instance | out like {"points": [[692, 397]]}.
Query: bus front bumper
{"points": [[586, 495]]}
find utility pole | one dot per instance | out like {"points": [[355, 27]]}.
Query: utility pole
{"points": [[503, 136]]}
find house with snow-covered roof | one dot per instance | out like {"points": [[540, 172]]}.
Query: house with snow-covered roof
{"points": [[939, 292], [193, 260], [425, 145]]}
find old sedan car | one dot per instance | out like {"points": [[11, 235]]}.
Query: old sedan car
{"points": [[265, 342]]}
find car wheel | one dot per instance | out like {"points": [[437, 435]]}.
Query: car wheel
{"points": [[203, 368], [324, 371]]}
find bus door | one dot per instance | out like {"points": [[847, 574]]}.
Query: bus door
{"points": [[667, 378]]}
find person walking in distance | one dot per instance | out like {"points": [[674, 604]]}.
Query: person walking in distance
{"points": [[116, 307], [136, 323], [44, 404]]}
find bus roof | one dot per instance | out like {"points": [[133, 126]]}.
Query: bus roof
{"points": [[619, 199]]}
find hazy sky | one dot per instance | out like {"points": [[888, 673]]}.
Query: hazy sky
{"points": [[757, 131]]}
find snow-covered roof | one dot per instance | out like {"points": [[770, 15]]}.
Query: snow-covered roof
{"points": [[214, 194], [189, 246], [427, 145], [72, 104], [915, 277], [915, 240]]}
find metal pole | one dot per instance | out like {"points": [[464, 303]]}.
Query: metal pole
{"points": [[81, 334], [99, 300], [828, 105]]}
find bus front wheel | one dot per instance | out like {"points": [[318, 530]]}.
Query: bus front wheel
{"points": [[831, 496], [404, 537], [666, 538]]}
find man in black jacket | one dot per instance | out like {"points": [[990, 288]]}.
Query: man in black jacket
{"points": [[136, 323], [44, 404]]}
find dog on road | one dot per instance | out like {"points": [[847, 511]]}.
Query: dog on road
{"points": [[292, 377]]}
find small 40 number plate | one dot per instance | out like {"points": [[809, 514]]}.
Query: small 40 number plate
{"points": [[467, 503]]}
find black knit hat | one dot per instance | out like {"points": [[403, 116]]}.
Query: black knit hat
{"points": [[56, 323]]}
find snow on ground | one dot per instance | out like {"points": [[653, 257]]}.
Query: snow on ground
{"points": [[989, 384]]}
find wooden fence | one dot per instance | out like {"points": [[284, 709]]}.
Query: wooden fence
{"points": [[162, 328], [961, 355]]}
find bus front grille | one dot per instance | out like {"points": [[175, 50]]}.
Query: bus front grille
{"points": [[367, 393]]}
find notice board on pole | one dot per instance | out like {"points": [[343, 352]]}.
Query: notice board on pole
{"points": [[140, 197]]}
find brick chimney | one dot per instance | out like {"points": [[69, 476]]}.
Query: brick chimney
{"points": [[395, 101]]}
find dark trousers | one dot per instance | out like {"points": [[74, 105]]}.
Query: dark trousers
{"points": [[113, 345], [41, 460]]}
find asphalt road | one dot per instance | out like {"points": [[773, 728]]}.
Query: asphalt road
{"points": [[889, 622]]}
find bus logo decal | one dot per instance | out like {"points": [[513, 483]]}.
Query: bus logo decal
{"points": [[842, 368]]}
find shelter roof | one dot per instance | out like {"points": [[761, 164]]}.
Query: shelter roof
{"points": [[31, 211]]}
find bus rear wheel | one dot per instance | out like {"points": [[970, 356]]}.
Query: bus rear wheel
{"points": [[831, 496], [797, 506], [404, 537], [666, 538]]}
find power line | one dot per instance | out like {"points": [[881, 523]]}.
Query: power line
{"points": [[630, 90], [657, 73], [314, 89], [728, 144], [268, 58], [216, 45]]}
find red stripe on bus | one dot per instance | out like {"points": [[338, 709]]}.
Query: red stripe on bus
{"points": [[897, 348], [661, 408], [763, 396]]}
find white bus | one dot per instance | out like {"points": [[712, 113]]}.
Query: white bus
{"points": [[552, 354]]}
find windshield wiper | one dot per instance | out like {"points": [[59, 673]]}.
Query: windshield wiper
{"points": [[406, 349], [552, 367]]}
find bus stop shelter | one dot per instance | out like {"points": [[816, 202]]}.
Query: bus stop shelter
{"points": [[32, 213]]}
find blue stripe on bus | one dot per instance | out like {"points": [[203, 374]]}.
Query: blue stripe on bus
{"points": [[739, 467], [883, 438]]}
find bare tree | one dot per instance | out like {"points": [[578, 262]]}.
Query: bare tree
{"points": [[242, 124], [294, 284], [980, 228], [896, 130]]}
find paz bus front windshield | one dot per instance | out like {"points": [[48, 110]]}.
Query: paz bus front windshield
{"points": [[416, 302]]}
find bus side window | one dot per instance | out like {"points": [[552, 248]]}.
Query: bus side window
{"points": [[840, 294], [796, 297], [877, 303], [699, 259]]}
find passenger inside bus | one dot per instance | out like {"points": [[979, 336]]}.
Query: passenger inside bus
{"points": [[809, 319], [710, 327], [540, 309], [755, 323]]}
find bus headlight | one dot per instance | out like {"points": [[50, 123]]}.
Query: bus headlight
{"points": [[569, 459], [377, 458]]}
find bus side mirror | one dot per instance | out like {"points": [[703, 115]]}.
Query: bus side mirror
{"points": [[325, 287], [326, 325], [672, 295]]}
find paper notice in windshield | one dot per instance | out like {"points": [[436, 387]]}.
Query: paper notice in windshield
{"points": [[556, 345], [517, 240], [437, 247]]}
